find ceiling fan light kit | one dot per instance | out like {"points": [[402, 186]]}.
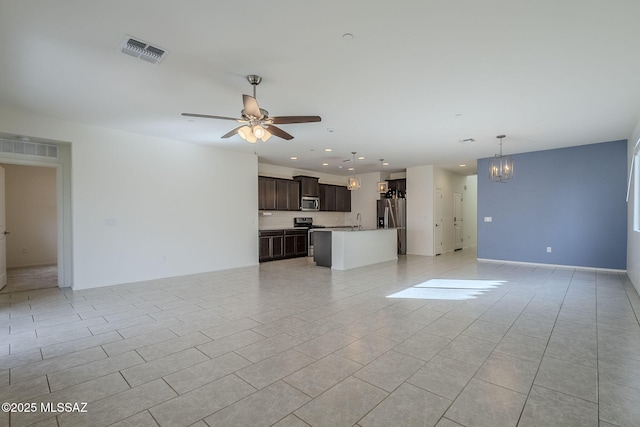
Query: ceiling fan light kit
{"points": [[257, 125], [247, 134]]}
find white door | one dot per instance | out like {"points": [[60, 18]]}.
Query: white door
{"points": [[457, 222], [437, 220], [3, 234]]}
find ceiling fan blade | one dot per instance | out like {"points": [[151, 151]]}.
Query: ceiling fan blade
{"points": [[282, 120], [206, 116], [231, 133], [279, 132], [251, 107]]}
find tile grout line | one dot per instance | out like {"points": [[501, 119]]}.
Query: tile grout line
{"points": [[546, 347]]}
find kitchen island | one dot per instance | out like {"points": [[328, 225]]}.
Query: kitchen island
{"points": [[347, 248]]}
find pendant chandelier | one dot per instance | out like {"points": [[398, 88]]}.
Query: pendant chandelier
{"points": [[500, 167], [354, 181], [383, 186]]}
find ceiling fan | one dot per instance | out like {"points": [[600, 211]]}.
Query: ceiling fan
{"points": [[256, 123]]}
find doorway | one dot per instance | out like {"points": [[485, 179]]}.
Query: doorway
{"points": [[31, 212]]}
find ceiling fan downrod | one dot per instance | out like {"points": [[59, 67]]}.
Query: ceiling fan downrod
{"points": [[255, 81]]}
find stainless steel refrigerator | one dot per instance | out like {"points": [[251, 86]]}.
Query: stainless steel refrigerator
{"points": [[392, 213]]}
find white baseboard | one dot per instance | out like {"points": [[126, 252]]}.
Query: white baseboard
{"points": [[537, 264]]}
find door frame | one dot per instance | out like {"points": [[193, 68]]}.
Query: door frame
{"points": [[438, 200], [63, 211], [458, 222]]}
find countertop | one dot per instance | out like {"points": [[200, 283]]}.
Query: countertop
{"points": [[280, 228], [350, 229]]}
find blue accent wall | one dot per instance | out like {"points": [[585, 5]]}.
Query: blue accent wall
{"points": [[571, 199]]}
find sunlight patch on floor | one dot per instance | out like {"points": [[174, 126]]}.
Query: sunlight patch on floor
{"points": [[448, 289]]}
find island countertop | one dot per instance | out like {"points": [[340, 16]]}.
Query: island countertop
{"points": [[350, 228], [347, 248]]}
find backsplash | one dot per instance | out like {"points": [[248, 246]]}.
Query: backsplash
{"points": [[284, 219]]}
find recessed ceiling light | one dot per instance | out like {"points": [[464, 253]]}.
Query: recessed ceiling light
{"points": [[294, 158], [325, 164], [328, 150], [361, 158], [385, 164], [331, 130], [463, 166], [347, 37], [339, 167], [466, 140], [350, 169]]}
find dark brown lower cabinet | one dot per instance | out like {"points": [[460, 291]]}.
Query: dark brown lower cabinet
{"points": [[271, 245], [295, 243], [279, 244]]}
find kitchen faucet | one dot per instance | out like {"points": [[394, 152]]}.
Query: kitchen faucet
{"points": [[359, 219]]}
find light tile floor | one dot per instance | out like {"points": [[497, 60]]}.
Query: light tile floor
{"points": [[291, 344]]}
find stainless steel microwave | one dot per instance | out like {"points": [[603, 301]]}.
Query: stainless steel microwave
{"points": [[309, 203]]}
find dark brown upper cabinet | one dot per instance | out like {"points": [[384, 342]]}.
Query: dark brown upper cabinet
{"points": [[308, 185], [267, 199], [335, 198], [288, 195]]}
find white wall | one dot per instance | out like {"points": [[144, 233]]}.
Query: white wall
{"points": [[265, 169], [633, 237], [31, 215], [364, 200], [471, 211], [146, 208], [420, 193]]}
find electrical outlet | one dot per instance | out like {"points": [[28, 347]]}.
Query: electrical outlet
{"points": [[548, 249]]}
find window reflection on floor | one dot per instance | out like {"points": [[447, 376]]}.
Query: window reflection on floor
{"points": [[448, 289]]}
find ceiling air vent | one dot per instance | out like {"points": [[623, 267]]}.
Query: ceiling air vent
{"points": [[142, 50], [27, 148]]}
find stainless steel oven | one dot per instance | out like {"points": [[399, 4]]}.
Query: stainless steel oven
{"points": [[307, 222]]}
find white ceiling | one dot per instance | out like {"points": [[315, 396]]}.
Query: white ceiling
{"points": [[417, 77]]}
